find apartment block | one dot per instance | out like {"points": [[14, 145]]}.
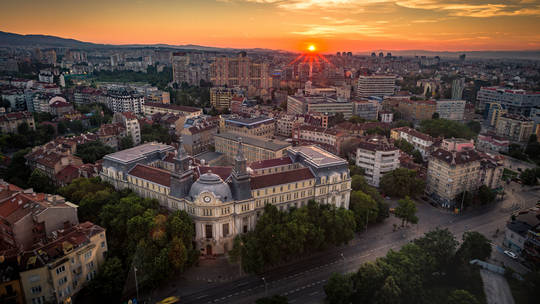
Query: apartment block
{"points": [[451, 109], [10, 122], [131, 125], [421, 142], [515, 127], [417, 109], [151, 108], [259, 126], [376, 85], [377, 157]]}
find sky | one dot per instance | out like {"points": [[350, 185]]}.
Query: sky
{"points": [[331, 25]]}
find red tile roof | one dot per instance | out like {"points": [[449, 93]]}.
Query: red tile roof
{"points": [[173, 107], [152, 174], [263, 181], [270, 163]]}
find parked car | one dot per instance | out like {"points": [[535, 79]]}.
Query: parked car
{"points": [[511, 254]]}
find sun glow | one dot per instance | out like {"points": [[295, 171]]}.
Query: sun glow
{"points": [[311, 48]]}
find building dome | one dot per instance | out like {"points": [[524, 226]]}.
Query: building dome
{"points": [[210, 182]]}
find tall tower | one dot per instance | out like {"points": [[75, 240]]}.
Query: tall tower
{"points": [[182, 177], [241, 182]]}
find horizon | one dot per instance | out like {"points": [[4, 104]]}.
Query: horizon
{"points": [[288, 25]]}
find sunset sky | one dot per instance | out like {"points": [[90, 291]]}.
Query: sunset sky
{"points": [[332, 25]]}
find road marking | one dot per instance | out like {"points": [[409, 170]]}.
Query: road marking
{"points": [[313, 293], [203, 296]]}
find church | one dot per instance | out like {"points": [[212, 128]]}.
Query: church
{"points": [[226, 201]]}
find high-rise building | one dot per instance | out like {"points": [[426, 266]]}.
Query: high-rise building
{"points": [[458, 85], [513, 101], [239, 71], [125, 100], [220, 97], [180, 66], [376, 85]]}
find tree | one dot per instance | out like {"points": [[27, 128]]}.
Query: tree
{"points": [[364, 207], [486, 195], [367, 281], [390, 293], [417, 156], [406, 211], [106, 284], [402, 182], [446, 128], [356, 119], [276, 299], [435, 115], [126, 142], [474, 126], [92, 151], [338, 289], [475, 246], [41, 182], [528, 177], [461, 296], [17, 172], [404, 146], [441, 245]]}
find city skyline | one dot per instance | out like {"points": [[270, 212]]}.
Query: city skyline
{"points": [[330, 25]]}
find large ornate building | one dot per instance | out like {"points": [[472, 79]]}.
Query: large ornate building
{"points": [[225, 201]]}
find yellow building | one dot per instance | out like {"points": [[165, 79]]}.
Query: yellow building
{"points": [[220, 98], [259, 126], [10, 286], [58, 270], [254, 148]]}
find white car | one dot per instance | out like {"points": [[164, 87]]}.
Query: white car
{"points": [[511, 254]]}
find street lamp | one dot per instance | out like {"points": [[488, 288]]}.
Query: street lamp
{"points": [[136, 283], [265, 287]]}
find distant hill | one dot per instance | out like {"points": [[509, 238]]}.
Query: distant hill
{"points": [[10, 39], [17, 40]]}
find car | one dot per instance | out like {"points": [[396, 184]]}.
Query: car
{"points": [[511, 254], [169, 300]]}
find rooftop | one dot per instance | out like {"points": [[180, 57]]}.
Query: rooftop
{"points": [[269, 144], [138, 152], [270, 163], [263, 181], [249, 121], [152, 174], [172, 107], [317, 156]]}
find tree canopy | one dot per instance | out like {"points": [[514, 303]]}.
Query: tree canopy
{"points": [[92, 151], [402, 182], [281, 235], [446, 128], [423, 271]]}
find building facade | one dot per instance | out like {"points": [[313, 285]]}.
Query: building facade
{"points": [[421, 142], [10, 122], [451, 109], [377, 157], [260, 126], [239, 71], [254, 148], [515, 127], [225, 202], [124, 100], [151, 108], [376, 85]]}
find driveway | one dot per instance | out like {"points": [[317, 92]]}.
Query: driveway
{"points": [[496, 288]]}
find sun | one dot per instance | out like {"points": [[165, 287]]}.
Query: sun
{"points": [[311, 48]]}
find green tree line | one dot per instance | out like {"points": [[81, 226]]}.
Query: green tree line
{"points": [[431, 269]]}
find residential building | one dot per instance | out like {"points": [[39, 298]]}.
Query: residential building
{"points": [[50, 162], [220, 97], [490, 142], [199, 138], [58, 106], [515, 127], [328, 139], [421, 142], [366, 109], [377, 157], [10, 122], [450, 109], [15, 97], [180, 66], [254, 148], [457, 167], [227, 201], [151, 108], [376, 85], [386, 116], [417, 110], [29, 217], [131, 125], [239, 71], [517, 230], [259, 126], [513, 101], [124, 100], [58, 270], [458, 85], [111, 134], [319, 104]]}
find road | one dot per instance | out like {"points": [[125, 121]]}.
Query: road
{"points": [[303, 281]]}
